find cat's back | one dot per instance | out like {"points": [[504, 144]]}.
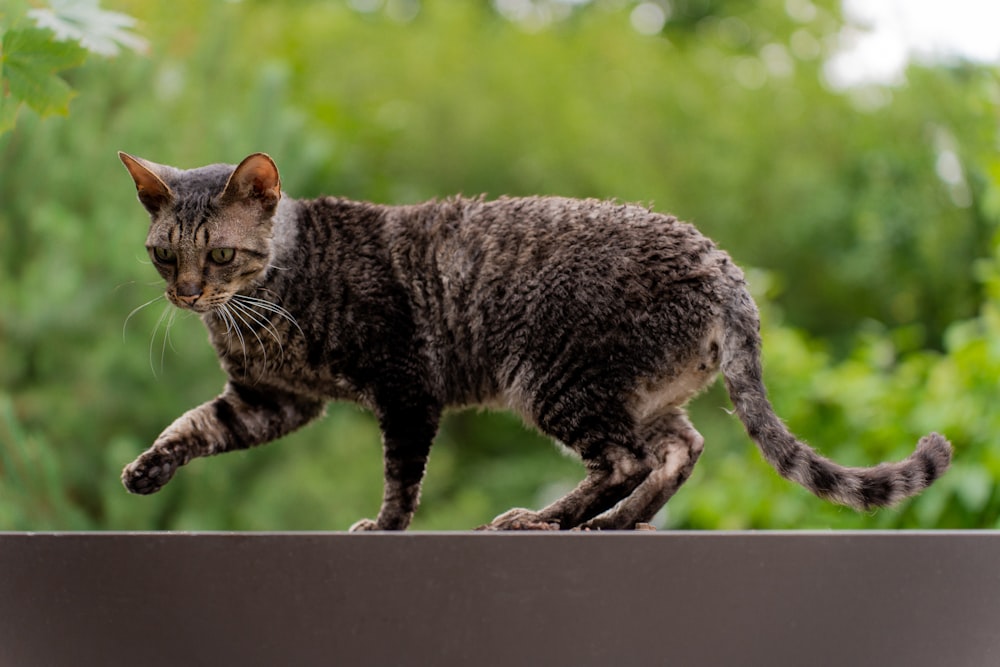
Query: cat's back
{"points": [[577, 241], [459, 235]]}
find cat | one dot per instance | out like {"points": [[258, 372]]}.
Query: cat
{"points": [[595, 321]]}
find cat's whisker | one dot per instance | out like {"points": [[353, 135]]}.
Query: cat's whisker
{"points": [[136, 310], [236, 330], [152, 337], [259, 319], [256, 317], [268, 291], [273, 332], [166, 337], [221, 313], [219, 316], [239, 336], [274, 307], [246, 298], [268, 306], [236, 311]]}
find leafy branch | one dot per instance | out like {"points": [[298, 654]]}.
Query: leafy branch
{"points": [[38, 45]]}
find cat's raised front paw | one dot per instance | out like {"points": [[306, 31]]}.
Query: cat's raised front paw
{"points": [[364, 525], [148, 473], [520, 519]]}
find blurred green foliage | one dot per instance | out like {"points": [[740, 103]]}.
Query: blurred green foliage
{"points": [[869, 217]]}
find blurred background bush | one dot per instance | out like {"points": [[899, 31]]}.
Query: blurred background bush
{"points": [[866, 217]]}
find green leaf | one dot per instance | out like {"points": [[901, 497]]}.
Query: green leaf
{"points": [[83, 21], [30, 60]]}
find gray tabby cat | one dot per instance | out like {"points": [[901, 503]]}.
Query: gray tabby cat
{"points": [[596, 322]]}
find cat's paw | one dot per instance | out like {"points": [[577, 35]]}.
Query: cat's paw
{"points": [[594, 526], [520, 519], [364, 525], [148, 473]]}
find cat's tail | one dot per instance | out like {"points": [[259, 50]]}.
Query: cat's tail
{"points": [[859, 488]]}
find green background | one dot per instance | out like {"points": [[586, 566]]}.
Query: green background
{"points": [[866, 219]]}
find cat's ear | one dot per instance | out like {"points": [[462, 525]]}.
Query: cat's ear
{"points": [[153, 192], [255, 179]]}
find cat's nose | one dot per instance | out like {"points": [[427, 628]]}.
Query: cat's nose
{"points": [[188, 292]]}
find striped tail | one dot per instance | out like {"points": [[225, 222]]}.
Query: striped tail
{"points": [[860, 488]]}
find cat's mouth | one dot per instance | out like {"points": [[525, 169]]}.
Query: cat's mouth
{"points": [[199, 308], [199, 303]]}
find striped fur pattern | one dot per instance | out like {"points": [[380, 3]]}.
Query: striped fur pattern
{"points": [[595, 321]]}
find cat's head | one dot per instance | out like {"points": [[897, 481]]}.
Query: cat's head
{"points": [[211, 228]]}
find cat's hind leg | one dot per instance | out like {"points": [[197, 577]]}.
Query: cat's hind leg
{"points": [[677, 446], [617, 462], [611, 477]]}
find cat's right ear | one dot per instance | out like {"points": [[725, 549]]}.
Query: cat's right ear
{"points": [[153, 192], [255, 180]]}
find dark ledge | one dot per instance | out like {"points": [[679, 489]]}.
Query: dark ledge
{"points": [[700, 599]]}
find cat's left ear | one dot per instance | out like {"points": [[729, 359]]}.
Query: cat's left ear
{"points": [[153, 192], [255, 179]]}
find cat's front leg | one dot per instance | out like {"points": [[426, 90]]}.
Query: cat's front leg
{"points": [[407, 434], [241, 417]]}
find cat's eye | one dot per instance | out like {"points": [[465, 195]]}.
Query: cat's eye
{"points": [[222, 255], [165, 255]]}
